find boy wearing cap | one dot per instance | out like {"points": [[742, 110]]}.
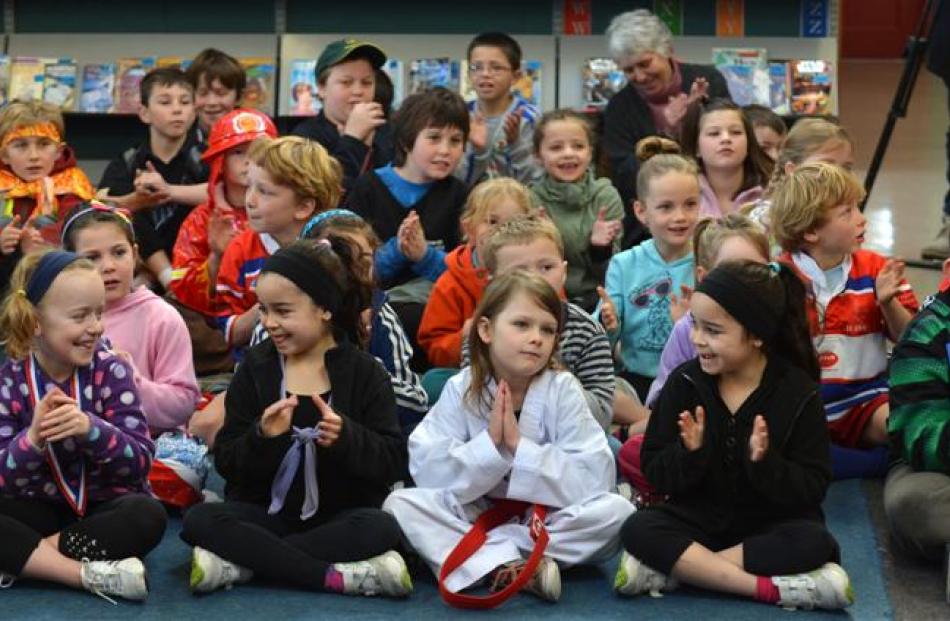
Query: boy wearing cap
{"points": [[206, 231], [162, 179], [39, 180], [351, 125]]}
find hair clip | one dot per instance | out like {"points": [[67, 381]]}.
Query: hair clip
{"points": [[775, 267], [21, 293]]}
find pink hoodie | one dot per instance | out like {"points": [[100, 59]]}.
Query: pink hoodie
{"points": [[155, 336], [709, 204]]}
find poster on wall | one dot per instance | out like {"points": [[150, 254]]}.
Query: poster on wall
{"points": [[577, 17]]}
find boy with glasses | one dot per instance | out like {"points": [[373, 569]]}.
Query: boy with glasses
{"points": [[502, 122]]}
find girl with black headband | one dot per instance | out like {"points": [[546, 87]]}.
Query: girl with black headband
{"points": [[310, 444], [738, 441], [75, 506]]}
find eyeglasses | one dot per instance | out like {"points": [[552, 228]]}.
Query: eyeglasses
{"points": [[491, 68]]}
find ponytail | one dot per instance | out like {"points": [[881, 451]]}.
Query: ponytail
{"points": [[794, 341]]}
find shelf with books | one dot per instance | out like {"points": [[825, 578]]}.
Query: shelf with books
{"points": [[588, 78], [415, 60]]}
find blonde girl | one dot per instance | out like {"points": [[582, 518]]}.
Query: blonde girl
{"points": [[448, 314], [75, 507]]}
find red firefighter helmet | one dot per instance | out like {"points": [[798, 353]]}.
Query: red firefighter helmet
{"points": [[237, 127]]}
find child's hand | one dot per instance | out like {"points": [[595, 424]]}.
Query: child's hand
{"points": [[888, 282], [276, 418], [608, 312], [50, 401], [10, 236], [365, 117], [477, 131], [512, 127], [31, 239], [221, 230], [412, 241], [511, 433], [151, 183], [496, 419], [691, 429], [330, 425], [680, 304], [65, 420], [759, 440], [604, 231]]}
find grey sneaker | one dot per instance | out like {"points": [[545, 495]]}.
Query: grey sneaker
{"points": [[545, 583], [634, 578], [210, 572], [125, 579], [6, 580], [828, 588], [385, 574]]}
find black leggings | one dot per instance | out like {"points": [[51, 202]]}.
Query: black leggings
{"points": [[297, 553], [659, 539], [130, 525]]}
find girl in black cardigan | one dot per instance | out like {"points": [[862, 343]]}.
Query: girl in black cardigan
{"points": [[739, 443], [310, 445]]}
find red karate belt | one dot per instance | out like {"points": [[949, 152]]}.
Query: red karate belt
{"points": [[502, 512]]}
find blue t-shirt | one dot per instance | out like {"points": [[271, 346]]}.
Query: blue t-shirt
{"points": [[405, 192]]}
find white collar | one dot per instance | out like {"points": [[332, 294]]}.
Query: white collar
{"points": [[819, 282]]}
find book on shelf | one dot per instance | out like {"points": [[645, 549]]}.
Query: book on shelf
{"points": [[302, 99], [59, 84], [26, 77], [97, 88], [811, 84], [259, 90], [129, 76], [600, 80], [4, 79], [746, 71], [426, 73], [395, 69], [779, 86]]}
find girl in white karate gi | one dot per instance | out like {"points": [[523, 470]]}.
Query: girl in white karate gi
{"points": [[511, 427]]}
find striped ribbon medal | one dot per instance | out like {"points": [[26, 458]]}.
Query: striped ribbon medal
{"points": [[76, 498]]}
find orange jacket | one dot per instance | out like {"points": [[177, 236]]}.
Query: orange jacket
{"points": [[452, 301]]}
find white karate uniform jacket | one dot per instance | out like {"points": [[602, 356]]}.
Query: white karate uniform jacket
{"points": [[562, 461]]}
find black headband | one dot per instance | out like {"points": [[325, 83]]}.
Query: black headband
{"points": [[303, 271], [743, 302]]}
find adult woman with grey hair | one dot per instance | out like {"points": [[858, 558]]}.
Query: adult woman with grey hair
{"points": [[654, 101]]}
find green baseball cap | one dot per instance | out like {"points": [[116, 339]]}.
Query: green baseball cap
{"points": [[341, 50]]}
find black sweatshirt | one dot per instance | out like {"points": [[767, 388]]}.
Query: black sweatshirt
{"points": [[718, 487], [357, 471], [354, 156]]}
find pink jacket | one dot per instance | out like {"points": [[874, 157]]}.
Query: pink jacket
{"points": [[709, 204], [154, 335]]}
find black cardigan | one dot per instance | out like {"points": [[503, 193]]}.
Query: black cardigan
{"points": [[718, 487], [627, 119], [357, 471]]}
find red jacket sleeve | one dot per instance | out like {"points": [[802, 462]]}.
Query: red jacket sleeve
{"points": [[191, 282]]}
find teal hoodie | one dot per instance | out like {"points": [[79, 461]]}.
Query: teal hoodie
{"points": [[640, 283], [573, 207]]}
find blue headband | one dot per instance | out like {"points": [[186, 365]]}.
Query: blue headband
{"points": [[322, 217], [46, 272]]}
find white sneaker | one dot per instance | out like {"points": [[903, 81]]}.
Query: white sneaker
{"points": [[828, 588], [634, 578], [210, 572], [545, 583], [385, 574], [125, 579]]}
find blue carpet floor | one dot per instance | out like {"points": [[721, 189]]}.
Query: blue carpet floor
{"points": [[586, 591]]}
